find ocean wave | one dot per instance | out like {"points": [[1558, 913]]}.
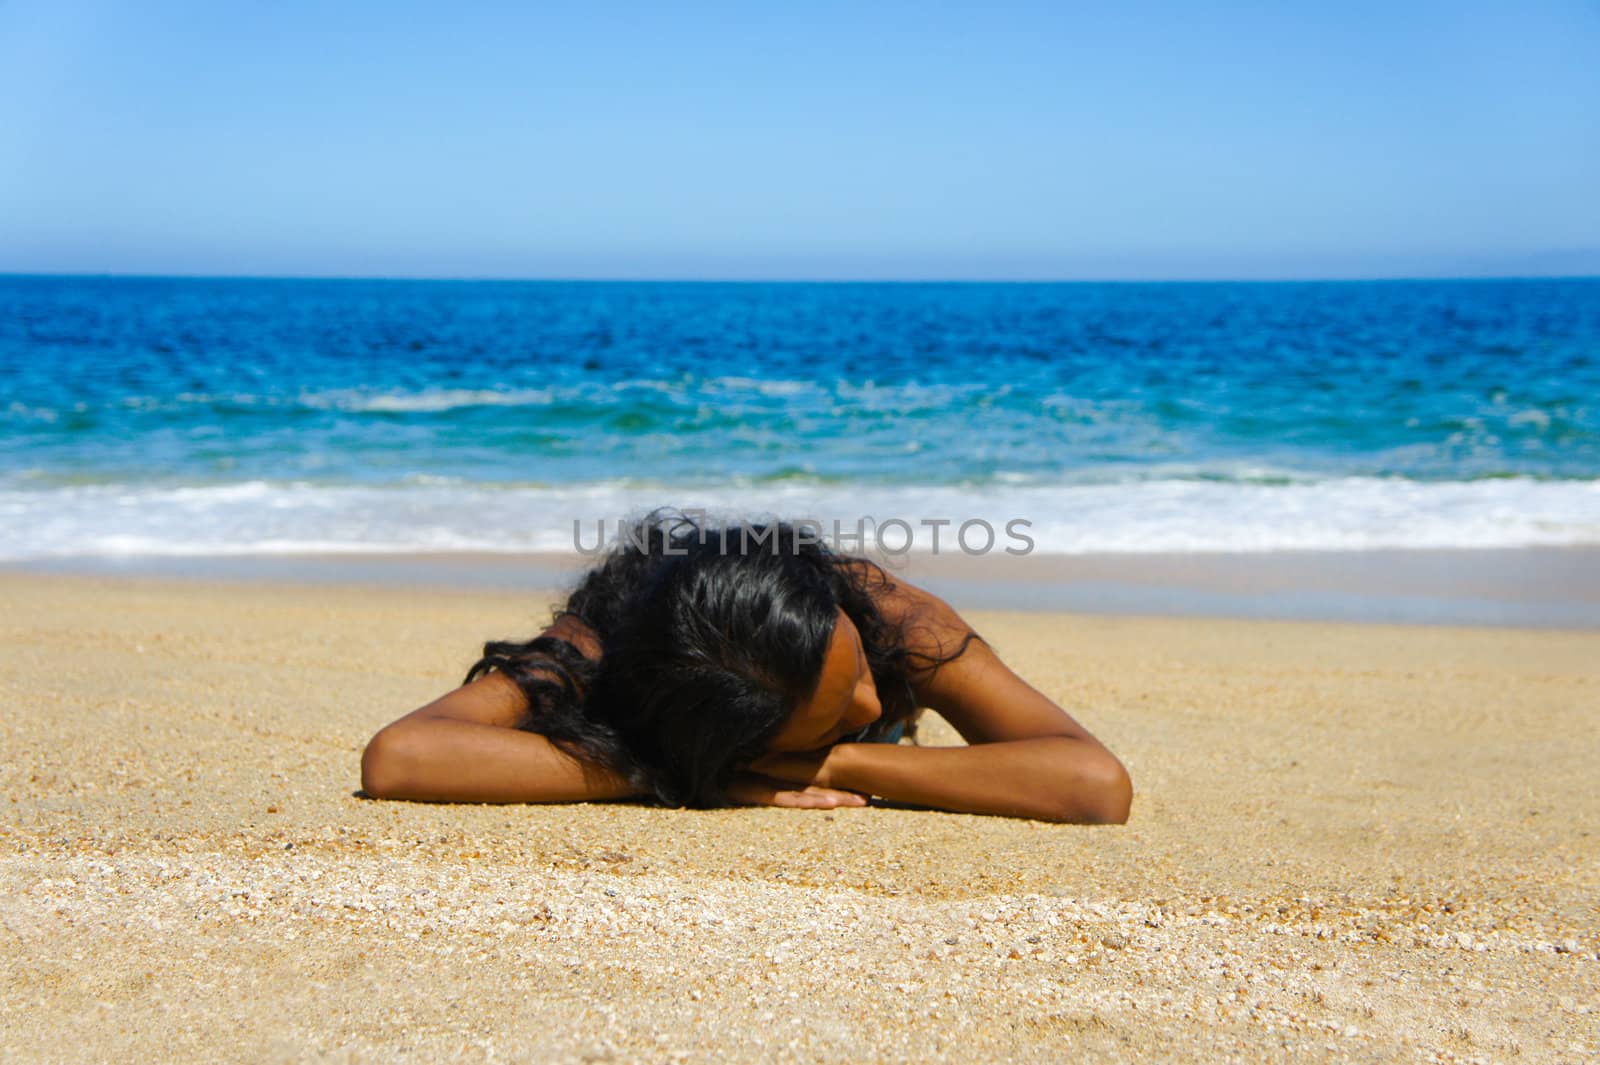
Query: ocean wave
{"points": [[780, 387], [424, 402], [1171, 515]]}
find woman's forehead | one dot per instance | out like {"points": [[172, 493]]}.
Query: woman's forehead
{"points": [[838, 667], [835, 689], [837, 682]]}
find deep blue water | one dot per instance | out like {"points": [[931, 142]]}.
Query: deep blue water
{"points": [[187, 414]]}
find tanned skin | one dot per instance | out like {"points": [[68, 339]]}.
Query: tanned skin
{"points": [[1026, 756]]}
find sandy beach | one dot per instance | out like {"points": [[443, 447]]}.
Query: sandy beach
{"points": [[1350, 842]]}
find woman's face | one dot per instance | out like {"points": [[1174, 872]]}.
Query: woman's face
{"points": [[845, 701]]}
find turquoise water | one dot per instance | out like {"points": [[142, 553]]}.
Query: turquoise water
{"points": [[173, 416]]}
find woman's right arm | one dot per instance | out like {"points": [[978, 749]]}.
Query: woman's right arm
{"points": [[466, 747]]}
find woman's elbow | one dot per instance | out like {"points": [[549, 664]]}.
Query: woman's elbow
{"points": [[1101, 792], [1114, 794], [384, 772]]}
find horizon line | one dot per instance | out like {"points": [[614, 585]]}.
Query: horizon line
{"points": [[668, 280]]}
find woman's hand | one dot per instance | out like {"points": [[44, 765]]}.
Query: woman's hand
{"points": [[751, 790], [798, 780]]}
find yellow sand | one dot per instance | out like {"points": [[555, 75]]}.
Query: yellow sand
{"points": [[1349, 842]]}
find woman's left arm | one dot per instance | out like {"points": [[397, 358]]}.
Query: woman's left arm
{"points": [[1026, 757]]}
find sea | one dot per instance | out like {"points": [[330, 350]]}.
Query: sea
{"points": [[186, 417]]}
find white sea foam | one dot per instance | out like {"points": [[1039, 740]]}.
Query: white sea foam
{"points": [[1170, 515], [775, 387], [428, 402]]}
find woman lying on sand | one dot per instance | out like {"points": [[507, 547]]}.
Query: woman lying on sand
{"points": [[746, 664]]}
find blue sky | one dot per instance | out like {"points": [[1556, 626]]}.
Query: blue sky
{"points": [[858, 140]]}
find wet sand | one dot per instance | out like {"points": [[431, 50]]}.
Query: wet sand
{"points": [[1542, 587], [1349, 842]]}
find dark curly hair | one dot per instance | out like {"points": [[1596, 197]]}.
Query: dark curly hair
{"points": [[711, 636]]}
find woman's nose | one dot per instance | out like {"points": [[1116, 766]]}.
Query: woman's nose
{"points": [[864, 708]]}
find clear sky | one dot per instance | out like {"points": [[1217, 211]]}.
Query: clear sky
{"points": [[817, 140]]}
